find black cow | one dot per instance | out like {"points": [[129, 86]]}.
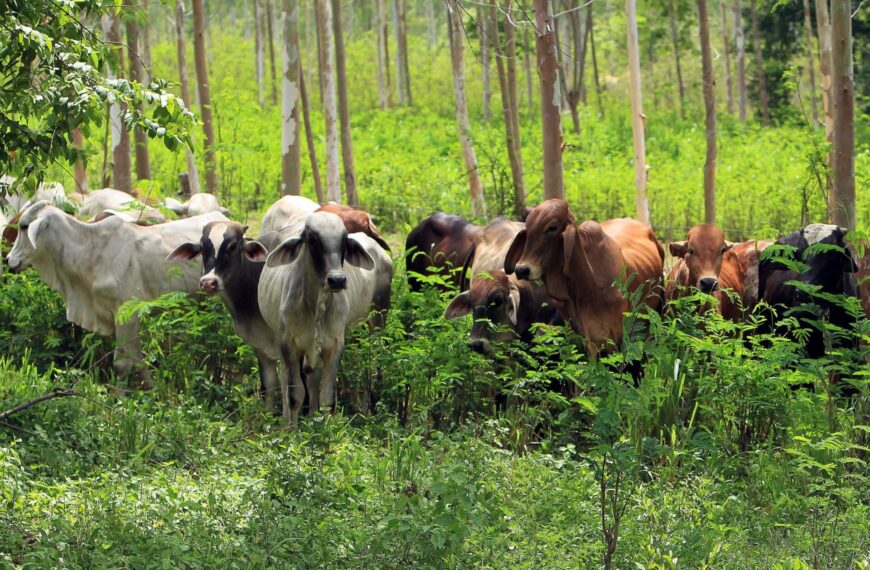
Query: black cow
{"points": [[829, 266]]}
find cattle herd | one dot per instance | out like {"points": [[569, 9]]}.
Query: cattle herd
{"points": [[316, 270]]}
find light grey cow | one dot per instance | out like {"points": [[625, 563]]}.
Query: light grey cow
{"points": [[313, 287]]}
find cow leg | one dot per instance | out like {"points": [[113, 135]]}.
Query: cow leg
{"points": [[268, 369], [329, 376], [292, 394], [128, 352], [313, 382]]}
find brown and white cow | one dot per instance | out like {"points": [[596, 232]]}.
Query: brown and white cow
{"points": [[503, 306], [579, 265], [438, 243], [356, 220]]}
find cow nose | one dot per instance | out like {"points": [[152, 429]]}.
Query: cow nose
{"points": [[522, 272], [337, 282], [479, 346], [708, 284], [208, 284]]}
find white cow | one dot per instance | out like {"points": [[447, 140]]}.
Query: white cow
{"points": [[198, 204], [287, 211], [120, 204], [98, 266], [313, 287]]}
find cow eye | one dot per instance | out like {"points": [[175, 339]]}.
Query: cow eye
{"points": [[232, 247], [23, 227], [497, 302], [691, 251], [552, 228]]}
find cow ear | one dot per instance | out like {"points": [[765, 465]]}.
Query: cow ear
{"points": [[357, 254], [515, 252], [34, 229], [513, 305], [842, 231], [244, 229], [224, 211], [286, 252], [678, 248], [185, 251], [569, 243], [459, 306], [255, 251]]}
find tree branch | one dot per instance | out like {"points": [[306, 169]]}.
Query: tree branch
{"points": [[57, 393]]}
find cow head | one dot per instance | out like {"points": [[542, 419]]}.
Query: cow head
{"points": [[327, 246], [547, 242], [494, 301], [702, 253], [31, 225], [224, 250]]}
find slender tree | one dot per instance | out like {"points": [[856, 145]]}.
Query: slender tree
{"points": [[146, 50], [403, 85], [80, 169], [199, 57], [527, 68], [637, 116], [811, 72], [121, 178], [327, 82], [260, 53], [551, 120], [290, 73], [823, 25], [759, 65], [343, 109], [740, 46], [710, 115], [143, 164], [675, 40], [594, 60], [483, 33], [309, 139], [270, 40], [431, 23], [192, 170], [842, 196], [508, 105], [726, 48], [384, 89], [457, 48]]}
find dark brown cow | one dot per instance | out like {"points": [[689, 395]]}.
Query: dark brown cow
{"points": [[356, 220], [579, 265], [440, 241], [739, 277], [697, 261], [503, 306]]}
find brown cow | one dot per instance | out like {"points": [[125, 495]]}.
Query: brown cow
{"points": [[739, 274], [355, 220], [579, 265], [495, 298], [439, 241], [697, 261]]}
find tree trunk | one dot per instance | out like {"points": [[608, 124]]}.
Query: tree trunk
{"points": [[527, 68], [672, 18], [204, 94], [759, 64], [309, 139], [508, 105], [192, 170], [726, 46], [343, 110], [290, 73], [581, 39], [551, 119], [637, 116], [121, 178], [431, 23], [710, 115], [741, 60], [270, 39], [457, 44], [594, 60], [403, 89], [823, 24], [843, 98], [260, 53], [567, 100], [312, 51], [327, 81], [79, 169], [485, 41], [146, 51], [384, 89], [143, 166], [808, 28], [510, 39]]}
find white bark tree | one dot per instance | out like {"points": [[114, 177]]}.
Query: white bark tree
{"points": [[192, 169], [330, 112], [710, 115], [843, 98], [740, 46], [637, 116], [290, 176]]}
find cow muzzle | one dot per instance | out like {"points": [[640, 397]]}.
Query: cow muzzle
{"points": [[480, 345], [336, 281], [15, 264], [708, 284], [209, 284], [527, 272]]}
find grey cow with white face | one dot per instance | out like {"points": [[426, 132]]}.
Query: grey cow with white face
{"points": [[313, 287]]}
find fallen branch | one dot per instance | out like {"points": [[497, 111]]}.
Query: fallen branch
{"points": [[58, 393]]}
